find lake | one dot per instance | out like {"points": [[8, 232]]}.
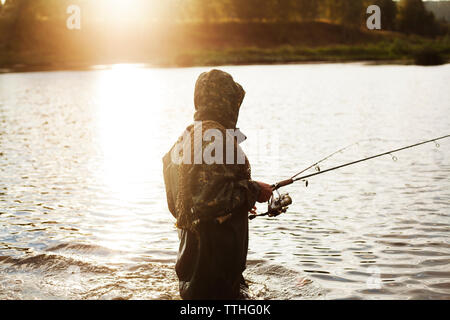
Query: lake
{"points": [[83, 210]]}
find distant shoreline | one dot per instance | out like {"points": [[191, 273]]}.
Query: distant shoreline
{"points": [[188, 45], [138, 64], [386, 52]]}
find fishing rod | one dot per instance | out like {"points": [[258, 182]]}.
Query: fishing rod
{"points": [[316, 164], [285, 200], [279, 205]]}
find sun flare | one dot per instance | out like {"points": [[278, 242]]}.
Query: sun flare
{"points": [[121, 3], [127, 9]]}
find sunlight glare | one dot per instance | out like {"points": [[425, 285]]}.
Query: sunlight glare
{"points": [[128, 122], [128, 115], [129, 10]]}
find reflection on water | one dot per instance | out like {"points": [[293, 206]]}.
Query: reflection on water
{"points": [[82, 201]]}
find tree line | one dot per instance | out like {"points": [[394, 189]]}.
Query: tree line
{"points": [[408, 16]]}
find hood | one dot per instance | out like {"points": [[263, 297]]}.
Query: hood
{"points": [[217, 97]]}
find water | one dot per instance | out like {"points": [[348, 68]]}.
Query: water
{"points": [[82, 202]]}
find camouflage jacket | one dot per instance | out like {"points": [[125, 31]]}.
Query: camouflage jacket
{"points": [[202, 191]]}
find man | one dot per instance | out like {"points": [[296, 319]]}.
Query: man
{"points": [[211, 200]]}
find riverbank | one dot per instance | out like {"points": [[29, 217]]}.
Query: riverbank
{"points": [[397, 52], [188, 45], [375, 54]]}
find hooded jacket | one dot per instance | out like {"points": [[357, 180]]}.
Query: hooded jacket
{"points": [[213, 252]]}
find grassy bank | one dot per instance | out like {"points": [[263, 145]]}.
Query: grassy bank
{"points": [[397, 51]]}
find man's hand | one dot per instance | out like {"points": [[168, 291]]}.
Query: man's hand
{"points": [[266, 192]]}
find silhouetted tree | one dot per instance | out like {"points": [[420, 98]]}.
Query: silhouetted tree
{"points": [[205, 10], [16, 23], [251, 10], [348, 12], [307, 9], [388, 13], [284, 10], [414, 18]]}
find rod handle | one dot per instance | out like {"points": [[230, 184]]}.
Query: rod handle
{"points": [[282, 184]]}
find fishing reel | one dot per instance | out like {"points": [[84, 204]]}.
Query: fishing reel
{"points": [[275, 206], [278, 205]]}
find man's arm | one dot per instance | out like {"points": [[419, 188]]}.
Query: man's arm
{"points": [[217, 192]]}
